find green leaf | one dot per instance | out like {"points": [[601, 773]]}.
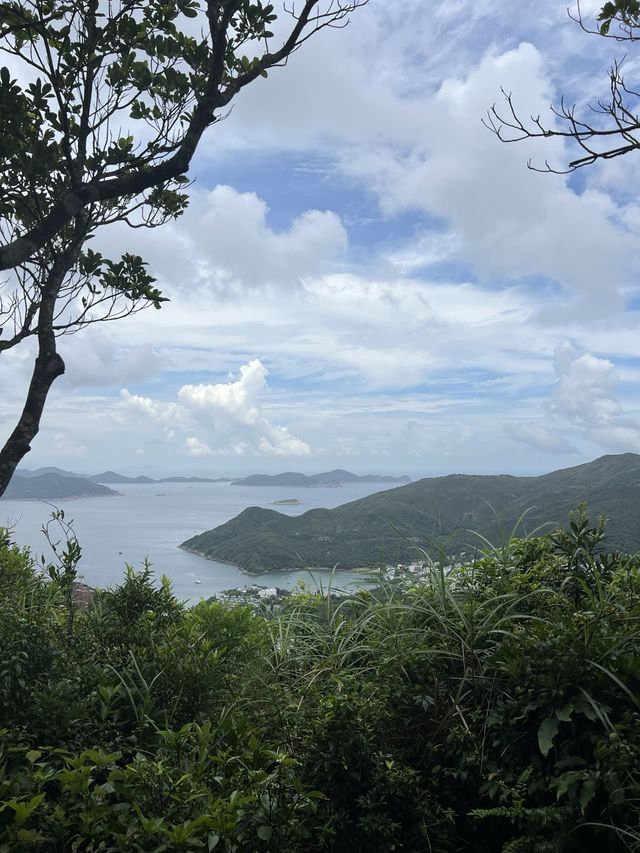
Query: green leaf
{"points": [[587, 793], [546, 733], [565, 713]]}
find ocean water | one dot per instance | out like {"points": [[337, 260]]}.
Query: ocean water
{"points": [[150, 521]]}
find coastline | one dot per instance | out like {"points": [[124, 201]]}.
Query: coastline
{"points": [[365, 570], [65, 498]]}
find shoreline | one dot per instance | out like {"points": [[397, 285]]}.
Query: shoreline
{"points": [[365, 570], [66, 498]]}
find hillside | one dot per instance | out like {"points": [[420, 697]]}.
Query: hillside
{"points": [[53, 486], [391, 526]]}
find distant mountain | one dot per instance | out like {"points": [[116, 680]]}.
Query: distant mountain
{"points": [[52, 487], [330, 478], [50, 469], [391, 526], [113, 477]]}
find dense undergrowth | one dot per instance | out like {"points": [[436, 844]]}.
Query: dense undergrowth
{"points": [[493, 709]]}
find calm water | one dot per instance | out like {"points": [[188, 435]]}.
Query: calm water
{"points": [[152, 520]]}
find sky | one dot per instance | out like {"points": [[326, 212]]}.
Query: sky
{"points": [[367, 278]]}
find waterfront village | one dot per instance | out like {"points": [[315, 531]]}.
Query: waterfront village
{"points": [[401, 576]]}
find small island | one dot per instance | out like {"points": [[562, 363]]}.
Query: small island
{"points": [[286, 502]]}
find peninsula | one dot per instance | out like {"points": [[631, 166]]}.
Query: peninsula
{"points": [[435, 514]]}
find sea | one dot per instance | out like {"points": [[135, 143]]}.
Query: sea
{"points": [[149, 521]]}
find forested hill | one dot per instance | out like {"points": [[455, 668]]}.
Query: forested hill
{"points": [[389, 527]]}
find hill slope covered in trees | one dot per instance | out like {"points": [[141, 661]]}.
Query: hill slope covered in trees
{"points": [[391, 526]]}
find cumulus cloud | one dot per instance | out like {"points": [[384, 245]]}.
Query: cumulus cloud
{"points": [[194, 447], [279, 442], [586, 395], [236, 399], [224, 244], [167, 414], [583, 399], [225, 418]]}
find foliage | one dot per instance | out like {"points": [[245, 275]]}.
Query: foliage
{"points": [[495, 707]]}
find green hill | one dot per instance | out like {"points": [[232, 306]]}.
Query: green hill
{"points": [[391, 526]]}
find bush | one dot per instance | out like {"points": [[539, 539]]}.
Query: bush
{"points": [[492, 708]]}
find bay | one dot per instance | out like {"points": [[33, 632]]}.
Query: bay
{"points": [[150, 521]]}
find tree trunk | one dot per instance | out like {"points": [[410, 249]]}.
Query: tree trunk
{"points": [[46, 369]]}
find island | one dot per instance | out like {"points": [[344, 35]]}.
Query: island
{"points": [[114, 478], [328, 478], [53, 486], [121, 479]]}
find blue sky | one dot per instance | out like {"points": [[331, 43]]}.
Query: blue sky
{"points": [[367, 278]]}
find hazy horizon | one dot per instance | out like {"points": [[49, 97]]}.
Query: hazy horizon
{"points": [[133, 470]]}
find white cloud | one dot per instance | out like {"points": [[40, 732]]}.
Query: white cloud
{"points": [[236, 399], [278, 442], [585, 393], [194, 447], [168, 414], [586, 396], [224, 245], [228, 417], [584, 400]]}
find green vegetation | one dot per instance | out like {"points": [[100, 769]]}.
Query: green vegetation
{"points": [[494, 709], [390, 527]]}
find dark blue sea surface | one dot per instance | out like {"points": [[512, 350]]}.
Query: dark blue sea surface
{"points": [[152, 520]]}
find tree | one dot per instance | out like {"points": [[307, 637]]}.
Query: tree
{"points": [[102, 106], [612, 127]]}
